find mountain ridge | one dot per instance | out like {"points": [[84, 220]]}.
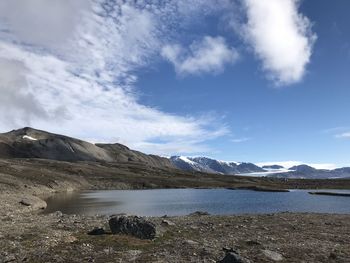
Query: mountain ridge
{"points": [[32, 143], [205, 164]]}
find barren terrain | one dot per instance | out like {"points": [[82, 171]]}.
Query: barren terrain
{"points": [[26, 235]]}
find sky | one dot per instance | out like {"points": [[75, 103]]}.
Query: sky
{"points": [[236, 80]]}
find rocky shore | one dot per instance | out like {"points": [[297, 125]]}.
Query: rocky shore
{"points": [[28, 235]]}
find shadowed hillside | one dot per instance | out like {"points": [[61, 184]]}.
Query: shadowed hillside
{"points": [[32, 143]]}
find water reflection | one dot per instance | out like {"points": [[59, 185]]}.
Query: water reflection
{"points": [[185, 201]]}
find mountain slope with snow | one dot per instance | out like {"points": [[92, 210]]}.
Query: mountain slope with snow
{"points": [[208, 165], [32, 143]]}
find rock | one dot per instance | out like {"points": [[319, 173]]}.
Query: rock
{"points": [[168, 223], [132, 225], [33, 202], [232, 257], [97, 231], [71, 239], [57, 214], [253, 243], [272, 255], [200, 213]]}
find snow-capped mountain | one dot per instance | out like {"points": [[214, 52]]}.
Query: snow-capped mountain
{"points": [[208, 165], [204, 164]]}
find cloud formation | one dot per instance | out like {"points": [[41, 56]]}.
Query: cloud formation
{"points": [[210, 55], [344, 135], [240, 140], [15, 100], [41, 21], [69, 66], [281, 38], [85, 86]]}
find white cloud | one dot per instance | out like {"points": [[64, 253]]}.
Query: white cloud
{"points": [[210, 55], [85, 87], [42, 21], [345, 135], [15, 100], [281, 37], [239, 140]]}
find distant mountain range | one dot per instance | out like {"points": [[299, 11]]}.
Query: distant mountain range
{"points": [[32, 143], [308, 172], [208, 165]]}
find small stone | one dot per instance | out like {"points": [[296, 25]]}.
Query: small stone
{"points": [[167, 223], [57, 214], [199, 213], [273, 255], [71, 239], [97, 231], [253, 243]]}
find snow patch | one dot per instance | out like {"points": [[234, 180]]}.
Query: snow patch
{"points": [[26, 137], [186, 160]]}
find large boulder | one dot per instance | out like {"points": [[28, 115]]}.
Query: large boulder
{"points": [[33, 202], [232, 257], [132, 225]]}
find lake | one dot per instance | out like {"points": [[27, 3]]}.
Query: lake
{"points": [[175, 202]]}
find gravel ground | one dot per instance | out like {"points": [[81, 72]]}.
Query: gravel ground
{"points": [[28, 236]]}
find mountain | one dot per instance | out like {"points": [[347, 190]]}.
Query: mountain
{"points": [[308, 172], [273, 167], [208, 165], [204, 164], [303, 168], [32, 143]]}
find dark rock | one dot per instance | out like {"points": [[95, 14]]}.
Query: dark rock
{"points": [[25, 202], [133, 225], [167, 223], [200, 213], [232, 257], [97, 231], [253, 243]]}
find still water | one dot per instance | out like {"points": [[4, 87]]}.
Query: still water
{"points": [[184, 201]]}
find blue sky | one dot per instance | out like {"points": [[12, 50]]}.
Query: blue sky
{"points": [[239, 80]]}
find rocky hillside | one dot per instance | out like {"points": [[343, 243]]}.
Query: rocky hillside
{"points": [[204, 164], [32, 143], [308, 172]]}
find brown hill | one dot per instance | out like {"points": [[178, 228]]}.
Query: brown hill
{"points": [[32, 143]]}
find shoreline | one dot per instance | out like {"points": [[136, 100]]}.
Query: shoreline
{"points": [[28, 235]]}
